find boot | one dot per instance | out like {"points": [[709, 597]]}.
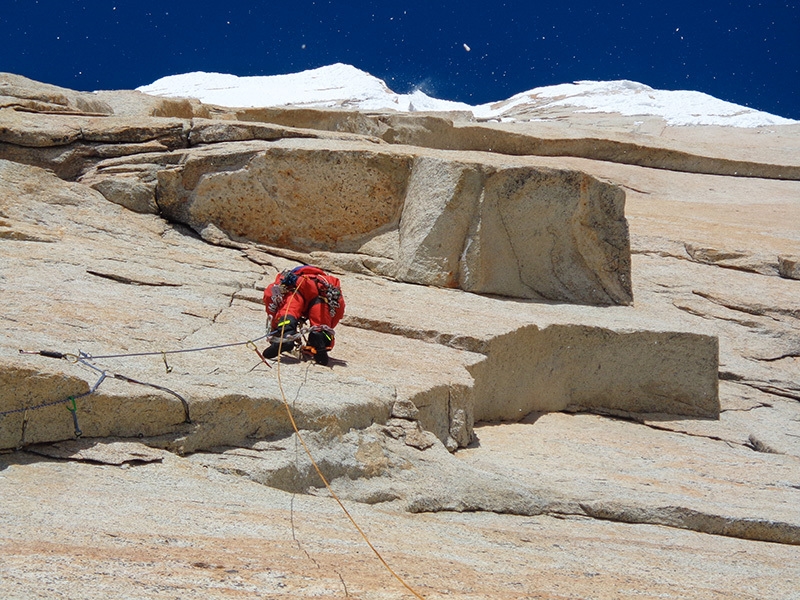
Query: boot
{"points": [[320, 340], [282, 338], [321, 357]]}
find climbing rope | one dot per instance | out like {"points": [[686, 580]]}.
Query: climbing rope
{"points": [[86, 359], [162, 353], [83, 359], [325, 481], [72, 399]]}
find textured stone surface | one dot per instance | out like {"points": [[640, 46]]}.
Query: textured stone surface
{"points": [[552, 356], [20, 92], [676, 468], [218, 535], [560, 131], [103, 452], [789, 267], [472, 222]]}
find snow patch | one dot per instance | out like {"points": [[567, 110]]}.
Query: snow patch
{"points": [[345, 86]]}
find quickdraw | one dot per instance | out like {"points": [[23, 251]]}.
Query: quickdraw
{"points": [[73, 408], [330, 294]]}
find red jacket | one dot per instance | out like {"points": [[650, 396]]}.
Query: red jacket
{"points": [[305, 292]]}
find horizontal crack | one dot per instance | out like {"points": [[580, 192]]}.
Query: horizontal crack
{"points": [[757, 406], [699, 313], [729, 376], [678, 517], [751, 443], [776, 358], [756, 529], [460, 342], [131, 281], [770, 389], [759, 311]]}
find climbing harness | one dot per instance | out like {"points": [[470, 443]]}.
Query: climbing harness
{"points": [[302, 347]]}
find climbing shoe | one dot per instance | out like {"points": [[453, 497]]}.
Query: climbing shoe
{"points": [[320, 338], [282, 338], [274, 348]]}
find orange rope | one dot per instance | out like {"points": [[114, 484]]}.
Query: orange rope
{"points": [[325, 481]]}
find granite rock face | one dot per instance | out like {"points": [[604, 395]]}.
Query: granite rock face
{"points": [[571, 345], [417, 215]]}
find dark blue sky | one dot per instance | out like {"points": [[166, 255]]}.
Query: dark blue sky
{"points": [[743, 52]]}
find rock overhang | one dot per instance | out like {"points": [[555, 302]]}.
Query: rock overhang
{"points": [[474, 221], [540, 357]]}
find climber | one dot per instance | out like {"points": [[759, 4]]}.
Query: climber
{"points": [[300, 294]]}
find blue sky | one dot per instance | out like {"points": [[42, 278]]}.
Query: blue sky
{"points": [[474, 52]]}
